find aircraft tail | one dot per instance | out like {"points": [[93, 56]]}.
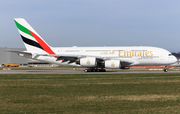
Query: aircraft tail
{"points": [[32, 40]]}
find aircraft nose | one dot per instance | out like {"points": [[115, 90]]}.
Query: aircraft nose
{"points": [[174, 59]]}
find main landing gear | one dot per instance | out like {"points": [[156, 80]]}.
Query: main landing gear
{"points": [[94, 70], [165, 69]]}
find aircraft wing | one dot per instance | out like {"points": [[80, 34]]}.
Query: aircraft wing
{"points": [[73, 58]]}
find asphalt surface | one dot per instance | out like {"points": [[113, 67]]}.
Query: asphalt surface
{"points": [[81, 71]]}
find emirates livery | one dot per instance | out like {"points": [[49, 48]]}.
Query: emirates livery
{"points": [[96, 59]]}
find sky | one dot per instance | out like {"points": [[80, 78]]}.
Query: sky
{"points": [[86, 23]]}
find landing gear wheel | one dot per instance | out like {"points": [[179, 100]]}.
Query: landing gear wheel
{"points": [[94, 70], [165, 70], [102, 70], [85, 70]]}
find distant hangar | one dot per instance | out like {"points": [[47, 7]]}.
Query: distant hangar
{"points": [[12, 58]]}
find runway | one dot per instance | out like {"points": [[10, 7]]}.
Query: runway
{"points": [[79, 72]]}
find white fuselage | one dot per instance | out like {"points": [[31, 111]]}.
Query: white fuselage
{"points": [[138, 56]]}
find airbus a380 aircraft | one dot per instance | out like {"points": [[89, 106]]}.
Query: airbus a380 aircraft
{"points": [[93, 58]]}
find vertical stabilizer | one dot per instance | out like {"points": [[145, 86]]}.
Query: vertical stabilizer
{"points": [[32, 40]]}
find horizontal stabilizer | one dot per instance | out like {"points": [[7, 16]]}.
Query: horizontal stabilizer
{"points": [[19, 52], [24, 52]]}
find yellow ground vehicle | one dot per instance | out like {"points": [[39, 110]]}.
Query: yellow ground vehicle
{"points": [[10, 65]]}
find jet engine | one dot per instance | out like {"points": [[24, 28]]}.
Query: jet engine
{"points": [[88, 62], [113, 64]]}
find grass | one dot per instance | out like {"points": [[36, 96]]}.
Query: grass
{"points": [[90, 93]]}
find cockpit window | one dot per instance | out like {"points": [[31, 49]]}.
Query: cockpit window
{"points": [[170, 54]]}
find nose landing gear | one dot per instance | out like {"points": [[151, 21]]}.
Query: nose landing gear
{"points": [[165, 69]]}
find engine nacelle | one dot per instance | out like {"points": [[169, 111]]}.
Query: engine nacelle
{"points": [[113, 64], [88, 62]]}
